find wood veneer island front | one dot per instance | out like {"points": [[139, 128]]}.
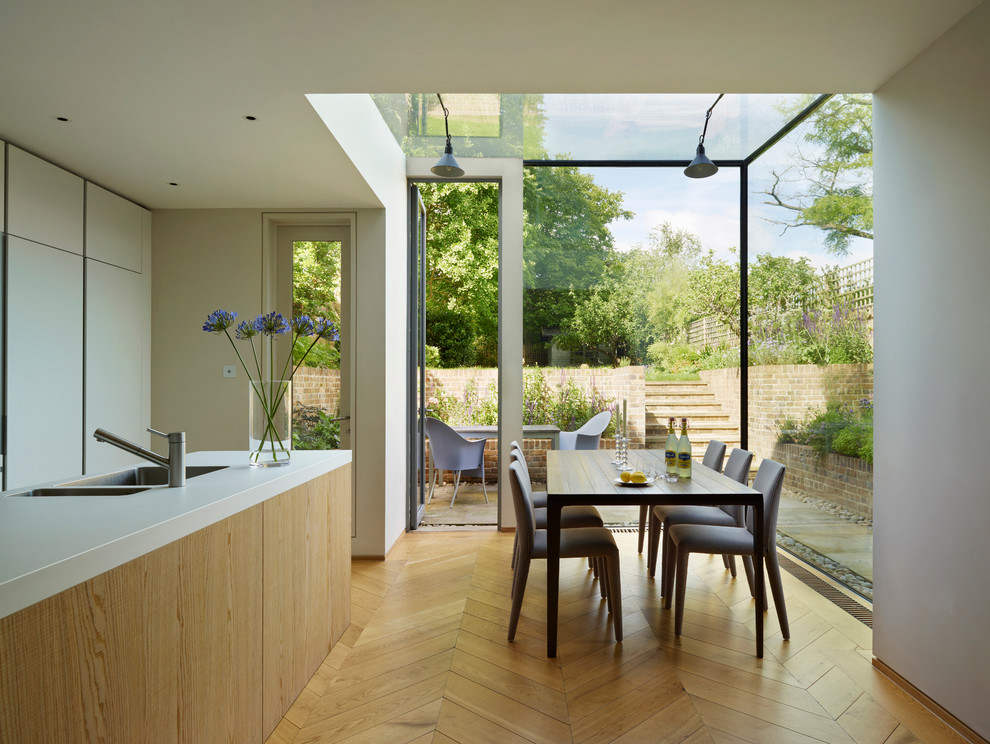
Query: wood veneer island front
{"points": [[207, 638]]}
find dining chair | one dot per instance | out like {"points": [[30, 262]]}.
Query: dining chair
{"points": [[450, 451], [588, 437], [570, 516], [539, 497], [578, 542], [714, 454], [667, 515], [701, 538]]}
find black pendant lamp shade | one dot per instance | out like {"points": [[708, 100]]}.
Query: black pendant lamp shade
{"points": [[701, 166], [446, 166]]}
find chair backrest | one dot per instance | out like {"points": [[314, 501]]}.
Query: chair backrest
{"points": [[588, 436], [522, 502], [714, 455], [769, 480], [516, 455], [450, 450], [737, 468]]}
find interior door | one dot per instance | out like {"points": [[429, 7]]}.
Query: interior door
{"points": [[416, 373]]}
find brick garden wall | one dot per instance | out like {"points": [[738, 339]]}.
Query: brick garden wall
{"points": [[846, 481], [317, 387], [787, 391]]}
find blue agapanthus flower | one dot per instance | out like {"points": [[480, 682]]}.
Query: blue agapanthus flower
{"points": [[302, 325], [325, 328], [272, 324], [246, 329], [219, 321]]}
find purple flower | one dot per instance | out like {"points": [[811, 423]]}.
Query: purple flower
{"points": [[272, 324], [246, 329], [219, 321]]}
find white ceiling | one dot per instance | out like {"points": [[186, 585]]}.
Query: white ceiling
{"points": [[156, 89]]}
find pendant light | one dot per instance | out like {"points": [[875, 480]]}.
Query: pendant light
{"points": [[446, 166], [701, 166]]}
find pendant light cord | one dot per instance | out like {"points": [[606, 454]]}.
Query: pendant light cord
{"points": [[701, 139], [446, 113]]}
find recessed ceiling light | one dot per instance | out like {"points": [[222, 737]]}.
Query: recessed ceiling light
{"points": [[250, 118], [172, 183], [62, 118]]}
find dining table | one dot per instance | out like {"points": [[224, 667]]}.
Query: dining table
{"points": [[591, 477]]}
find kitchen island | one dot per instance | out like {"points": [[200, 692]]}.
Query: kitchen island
{"points": [[174, 614]]}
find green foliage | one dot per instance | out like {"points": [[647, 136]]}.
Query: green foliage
{"points": [[314, 429], [324, 354], [837, 337], [713, 290], [565, 405], [453, 334], [316, 280], [432, 357], [568, 248], [831, 187], [462, 267], [602, 321], [842, 429]]}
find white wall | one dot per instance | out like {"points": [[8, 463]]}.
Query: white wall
{"points": [[932, 503], [209, 259]]}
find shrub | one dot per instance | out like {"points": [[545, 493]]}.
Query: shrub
{"points": [[454, 335], [314, 429], [432, 357], [842, 429]]}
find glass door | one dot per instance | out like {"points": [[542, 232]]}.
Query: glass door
{"points": [[416, 373]]}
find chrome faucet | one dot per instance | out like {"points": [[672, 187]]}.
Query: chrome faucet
{"points": [[175, 463]]}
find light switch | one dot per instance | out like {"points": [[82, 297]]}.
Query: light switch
{"points": [[229, 370]]}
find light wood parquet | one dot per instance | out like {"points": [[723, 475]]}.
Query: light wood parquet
{"points": [[426, 660]]}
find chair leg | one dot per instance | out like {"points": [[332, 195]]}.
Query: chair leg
{"points": [[433, 484], [483, 484], [730, 563], [773, 569], [667, 566], [518, 590], [748, 566], [681, 589], [515, 550], [604, 582], [615, 595], [644, 509], [654, 549], [457, 482]]}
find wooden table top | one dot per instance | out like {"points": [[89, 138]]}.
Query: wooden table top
{"points": [[590, 473]]}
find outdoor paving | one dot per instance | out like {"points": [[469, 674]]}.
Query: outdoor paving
{"points": [[836, 545]]}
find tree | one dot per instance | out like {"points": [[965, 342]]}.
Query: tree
{"points": [[462, 262], [602, 321], [568, 246], [714, 290], [830, 185], [316, 279]]}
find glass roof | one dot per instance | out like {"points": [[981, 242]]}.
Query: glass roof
{"points": [[587, 126]]}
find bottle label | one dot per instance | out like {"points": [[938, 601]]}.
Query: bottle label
{"points": [[671, 457], [684, 459]]}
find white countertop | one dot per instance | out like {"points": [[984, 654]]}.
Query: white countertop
{"points": [[48, 544]]}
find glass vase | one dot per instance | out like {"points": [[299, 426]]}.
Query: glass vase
{"points": [[269, 423]]}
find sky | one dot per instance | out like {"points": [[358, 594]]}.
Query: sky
{"points": [[588, 127]]}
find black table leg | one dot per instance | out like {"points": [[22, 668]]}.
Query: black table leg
{"points": [[553, 574]]}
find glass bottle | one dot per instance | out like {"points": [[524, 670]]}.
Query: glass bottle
{"points": [[684, 452], [670, 449]]}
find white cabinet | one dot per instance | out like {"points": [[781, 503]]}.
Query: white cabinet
{"points": [[113, 229], [117, 327], [44, 202], [44, 363]]}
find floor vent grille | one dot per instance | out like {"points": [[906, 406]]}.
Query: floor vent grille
{"points": [[860, 612]]}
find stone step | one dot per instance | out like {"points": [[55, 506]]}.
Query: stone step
{"points": [[675, 392]]}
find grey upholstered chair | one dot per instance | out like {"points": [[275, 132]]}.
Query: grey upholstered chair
{"points": [[450, 451], [714, 454], [579, 542], [570, 516], [539, 497], [667, 516], [588, 437], [699, 538]]}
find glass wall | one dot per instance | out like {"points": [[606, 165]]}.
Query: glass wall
{"points": [[811, 334], [631, 296]]}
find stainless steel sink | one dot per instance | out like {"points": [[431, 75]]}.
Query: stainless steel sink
{"points": [[83, 491], [142, 475]]}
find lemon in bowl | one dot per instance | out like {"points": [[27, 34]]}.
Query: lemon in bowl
{"points": [[625, 476], [638, 476]]}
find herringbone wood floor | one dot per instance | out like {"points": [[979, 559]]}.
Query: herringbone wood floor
{"points": [[426, 660]]}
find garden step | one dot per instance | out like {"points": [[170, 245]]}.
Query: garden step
{"points": [[665, 400]]}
